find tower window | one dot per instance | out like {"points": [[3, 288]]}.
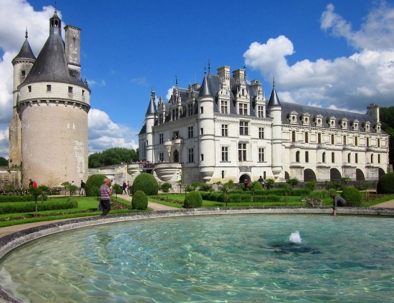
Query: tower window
{"points": [[49, 87], [29, 88], [23, 73], [70, 89]]}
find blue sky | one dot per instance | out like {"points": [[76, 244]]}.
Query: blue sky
{"points": [[337, 54]]}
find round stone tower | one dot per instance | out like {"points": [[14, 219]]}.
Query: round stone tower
{"points": [[52, 104]]}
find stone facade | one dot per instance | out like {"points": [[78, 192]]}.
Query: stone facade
{"points": [[48, 138], [225, 129]]}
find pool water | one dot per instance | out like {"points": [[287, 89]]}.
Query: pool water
{"points": [[243, 258]]}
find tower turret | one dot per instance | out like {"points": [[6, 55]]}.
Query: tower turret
{"points": [[275, 112], [150, 117], [206, 131], [22, 65]]}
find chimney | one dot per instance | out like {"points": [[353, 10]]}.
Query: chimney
{"points": [[73, 50]]}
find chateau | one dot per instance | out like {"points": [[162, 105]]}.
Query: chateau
{"points": [[48, 134], [225, 129]]}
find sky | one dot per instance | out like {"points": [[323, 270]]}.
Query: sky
{"points": [[337, 54]]}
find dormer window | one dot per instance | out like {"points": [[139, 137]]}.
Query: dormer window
{"points": [[344, 123], [293, 117], [355, 125], [367, 126], [378, 127], [319, 120], [331, 122], [305, 119]]}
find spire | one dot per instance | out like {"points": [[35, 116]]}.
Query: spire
{"points": [[204, 90], [25, 51], [274, 100], [152, 104]]}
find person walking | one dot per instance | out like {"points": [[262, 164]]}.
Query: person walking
{"points": [[105, 197], [82, 191]]}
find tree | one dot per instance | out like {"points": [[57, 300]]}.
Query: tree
{"points": [[3, 161], [112, 156], [37, 192], [387, 118]]}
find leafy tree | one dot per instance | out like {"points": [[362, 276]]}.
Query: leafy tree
{"points": [[112, 156], [387, 118], [3, 161], [70, 187], [36, 192]]}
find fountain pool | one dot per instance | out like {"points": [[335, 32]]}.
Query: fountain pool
{"points": [[239, 258]]}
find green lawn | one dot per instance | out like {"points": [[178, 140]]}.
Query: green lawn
{"points": [[87, 206]]}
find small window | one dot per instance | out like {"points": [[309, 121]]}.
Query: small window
{"points": [[201, 109], [49, 87], [70, 89], [29, 88], [83, 92], [202, 157], [201, 131], [23, 73]]}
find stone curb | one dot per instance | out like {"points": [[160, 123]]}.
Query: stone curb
{"points": [[14, 240]]}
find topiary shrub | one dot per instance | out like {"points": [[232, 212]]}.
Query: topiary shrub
{"points": [[147, 183], [93, 185], [386, 184], [352, 196], [139, 201], [165, 187], [192, 200]]}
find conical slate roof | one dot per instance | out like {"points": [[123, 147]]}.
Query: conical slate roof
{"points": [[25, 51], [274, 99], [51, 63], [151, 110], [204, 90]]}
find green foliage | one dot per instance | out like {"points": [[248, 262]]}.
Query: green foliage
{"points": [[269, 183], [319, 194], [27, 198], [117, 189], [71, 188], [112, 156], [93, 185], [268, 198], [387, 118], [139, 201], [206, 187], [386, 184], [20, 207], [311, 185], [255, 186], [286, 188], [192, 200], [352, 196], [3, 161], [165, 187], [293, 182], [147, 183]]}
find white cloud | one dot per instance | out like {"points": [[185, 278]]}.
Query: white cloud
{"points": [[17, 16], [365, 77], [104, 133]]}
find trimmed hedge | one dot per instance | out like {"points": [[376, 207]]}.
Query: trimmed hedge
{"points": [[27, 198], [386, 184], [139, 201], [352, 196], [93, 185], [270, 198], [193, 199], [21, 207], [147, 183]]}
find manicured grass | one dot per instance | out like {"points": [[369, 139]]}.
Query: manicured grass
{"points": [[87, 206]]}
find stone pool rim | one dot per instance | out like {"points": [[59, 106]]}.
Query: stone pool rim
{"points": [[11, 241]]}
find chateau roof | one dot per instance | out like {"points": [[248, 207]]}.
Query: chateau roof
{"points": [[25, 51], [274, 99], [51, 63]]}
